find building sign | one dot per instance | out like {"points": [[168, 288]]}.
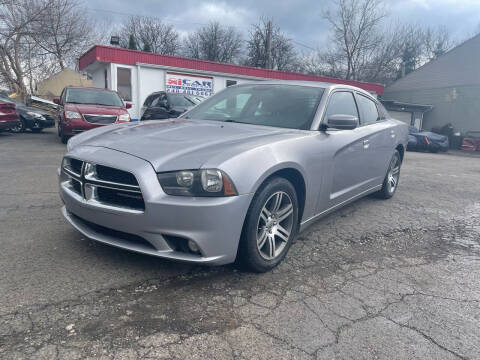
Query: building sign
{"points": [[189, 84]]}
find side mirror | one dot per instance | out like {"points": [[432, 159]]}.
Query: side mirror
{"points": [[56, 101], [342, 122], [128, 105]]}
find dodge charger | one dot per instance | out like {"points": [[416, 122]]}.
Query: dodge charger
{"points": [[236, 177]]}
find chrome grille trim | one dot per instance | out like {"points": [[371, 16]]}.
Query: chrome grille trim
{"points": [[111, 119], [90, 183]]}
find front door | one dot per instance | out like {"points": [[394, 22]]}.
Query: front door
{"points": [[346, 176]]}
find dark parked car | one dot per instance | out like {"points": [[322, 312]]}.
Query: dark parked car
{"points": [[162, 105], [8, 115], [81, 109], [30, 117], [426, 141]]}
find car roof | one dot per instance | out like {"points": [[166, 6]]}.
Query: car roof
{"points": [[88, 87], [325, 85]]}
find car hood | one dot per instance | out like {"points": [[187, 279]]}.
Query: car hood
{"points": [[96, 109], [180, 143]]}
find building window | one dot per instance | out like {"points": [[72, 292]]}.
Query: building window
{"points": [[124, 83], [231, 82]]}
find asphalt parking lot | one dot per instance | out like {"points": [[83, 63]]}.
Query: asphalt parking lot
{"points": [[396, 279]]}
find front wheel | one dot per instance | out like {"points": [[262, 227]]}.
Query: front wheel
{"points": [[270, 226], [390, 183]]}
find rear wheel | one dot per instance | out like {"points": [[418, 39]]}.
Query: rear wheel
{"points": [[270, 226], [20, 127], [390, 183]]}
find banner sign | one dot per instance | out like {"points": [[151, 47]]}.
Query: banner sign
{"points": [[189, 84]]}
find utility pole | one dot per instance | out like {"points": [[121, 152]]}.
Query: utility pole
{"points": [[268, 60]]}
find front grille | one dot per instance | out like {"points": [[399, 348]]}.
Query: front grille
{"points": [[104, 185], [76, 165], [114, 175], [100, 119], [76, 186], [122, 198]]}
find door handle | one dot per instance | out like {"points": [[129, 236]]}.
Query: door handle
{"points": [[366, 144]]}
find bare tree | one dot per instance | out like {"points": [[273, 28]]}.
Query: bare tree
{"points": [[64, 32], [268, 47], [150, 33], [354, 24], [437, 42], [16, 19], [214, 42]]}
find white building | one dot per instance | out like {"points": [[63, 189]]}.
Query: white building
{"points": [[137, 74]]}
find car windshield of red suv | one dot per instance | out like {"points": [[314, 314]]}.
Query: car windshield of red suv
{"points": [[93, 97]]}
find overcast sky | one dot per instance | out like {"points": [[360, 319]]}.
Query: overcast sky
{"points": [[300, 19]]}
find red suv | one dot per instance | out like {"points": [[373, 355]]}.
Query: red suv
{"points": [[82, 108]]}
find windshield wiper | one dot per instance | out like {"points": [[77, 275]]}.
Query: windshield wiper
{"points": [[235, 121]]}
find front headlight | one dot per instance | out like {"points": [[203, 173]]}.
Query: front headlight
{"points": [[124, 117], [35, 115], [208, 182], [72, 115]]}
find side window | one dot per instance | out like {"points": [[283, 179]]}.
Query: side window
{"points": [[368, 109], [148, 100], [159, 100], [342, 102]]}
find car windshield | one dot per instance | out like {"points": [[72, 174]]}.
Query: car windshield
{"points": [[286, 106], [180, 100], [92, 96]]}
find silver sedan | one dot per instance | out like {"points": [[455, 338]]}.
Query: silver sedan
{"points": [[236, 177]]}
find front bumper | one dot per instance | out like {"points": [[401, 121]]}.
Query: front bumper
{"points": [[214, 224]]}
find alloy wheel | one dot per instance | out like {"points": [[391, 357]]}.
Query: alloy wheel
{"points": [[393, 173], [20, 127], [274, 225]]}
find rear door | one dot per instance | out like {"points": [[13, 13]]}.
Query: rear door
{"points": [[378, 139]]}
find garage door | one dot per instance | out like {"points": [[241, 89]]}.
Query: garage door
{"points": [[404, 116]]}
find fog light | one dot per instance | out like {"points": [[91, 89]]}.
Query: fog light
{"points": [[193, 247]]}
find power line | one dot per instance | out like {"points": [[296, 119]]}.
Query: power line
{"points": [[183, 22]]}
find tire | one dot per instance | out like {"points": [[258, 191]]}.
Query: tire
{"points": [[270, 226], [390, 183], [63, 138], [20, 128]]}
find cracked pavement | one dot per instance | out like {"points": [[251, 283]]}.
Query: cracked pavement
{"points": [[395, 279]]}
